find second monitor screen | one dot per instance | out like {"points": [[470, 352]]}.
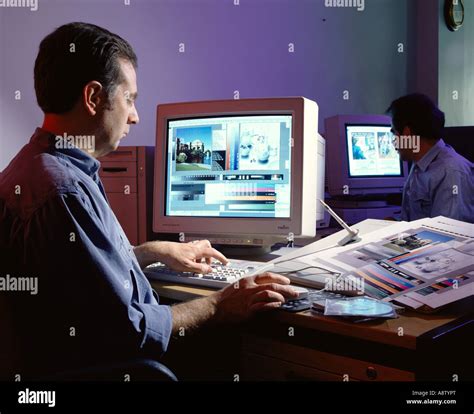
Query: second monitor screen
{"points": [[230, 166], [371, 152]]}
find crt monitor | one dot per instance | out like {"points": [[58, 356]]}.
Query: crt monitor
{"points": [[238, 172], [364, 159]]}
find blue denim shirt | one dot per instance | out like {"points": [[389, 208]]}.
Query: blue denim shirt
{"points": [[440, 184], [93, 303]]}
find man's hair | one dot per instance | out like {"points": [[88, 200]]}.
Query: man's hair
{"points": [[419, 113], [72, 56]]}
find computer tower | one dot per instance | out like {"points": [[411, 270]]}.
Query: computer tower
{"points": [[127, 175]]}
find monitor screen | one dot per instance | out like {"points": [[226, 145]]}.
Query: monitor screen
{"points": [[371, 153], [229, 166]]}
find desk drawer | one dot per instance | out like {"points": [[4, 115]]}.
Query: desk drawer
{"points": [[263, 368], [340, 366]]}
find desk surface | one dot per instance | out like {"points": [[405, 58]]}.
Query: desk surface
{"points": [[414, 325]]}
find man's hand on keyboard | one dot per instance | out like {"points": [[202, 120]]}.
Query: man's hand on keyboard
{"points": [[251, 294], [183, 257]]}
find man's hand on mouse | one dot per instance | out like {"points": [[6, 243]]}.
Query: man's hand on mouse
{"points": [[242, 299]]}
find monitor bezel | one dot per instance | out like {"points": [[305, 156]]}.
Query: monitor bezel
{"points": [[266, 227], [339, 183]]}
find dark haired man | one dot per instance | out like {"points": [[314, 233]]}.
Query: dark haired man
{"points": [[441, 182], [94, 305]]}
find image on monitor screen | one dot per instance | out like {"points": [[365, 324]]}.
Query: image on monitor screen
{"points": [[371, 153], [229, 166]]}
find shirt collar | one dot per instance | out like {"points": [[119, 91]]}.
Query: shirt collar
{"points": [[75, 156], [430, 155]]}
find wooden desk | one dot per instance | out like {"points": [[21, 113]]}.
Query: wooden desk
{"points": [[279, 345]]}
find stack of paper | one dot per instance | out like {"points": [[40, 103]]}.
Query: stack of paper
{"points": [[424, 263]]}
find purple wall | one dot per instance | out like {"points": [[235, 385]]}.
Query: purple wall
{"points": [[227, 47]]}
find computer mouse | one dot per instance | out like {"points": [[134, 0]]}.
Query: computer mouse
{"points": [[302, 292], [301, 303]]}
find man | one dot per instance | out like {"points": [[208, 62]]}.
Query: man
{"points": [[94, 304], [441, 182]]}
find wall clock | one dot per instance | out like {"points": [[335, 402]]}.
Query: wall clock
{"points": [[454, 14]]}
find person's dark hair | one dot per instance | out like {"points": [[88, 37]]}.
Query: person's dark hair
{"points": [[73, 55], [419, 113]]}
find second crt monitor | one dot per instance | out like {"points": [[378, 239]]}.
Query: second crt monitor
{"points": [[239, 172], [364, 159]]}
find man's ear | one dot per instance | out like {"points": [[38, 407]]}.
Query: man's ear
{"points": [[93, 97], [406, 131]]}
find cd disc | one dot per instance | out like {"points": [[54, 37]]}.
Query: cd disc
{"points": [[358, 307], [369, 307]]}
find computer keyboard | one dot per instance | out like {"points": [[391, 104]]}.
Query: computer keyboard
{"points": [[221, 275]]}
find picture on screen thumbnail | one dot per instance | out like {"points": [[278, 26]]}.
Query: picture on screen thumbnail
{"points": [[194, 149]]}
